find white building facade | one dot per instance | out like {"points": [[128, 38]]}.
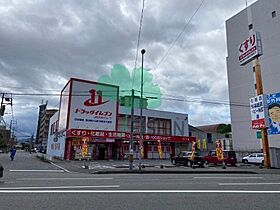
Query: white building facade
{"points": [[263, 16]]}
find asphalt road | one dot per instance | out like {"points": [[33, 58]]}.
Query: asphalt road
{"points": [[29, 183]]}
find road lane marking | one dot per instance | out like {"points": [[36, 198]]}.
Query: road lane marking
{"points": [[265, 183], [64, 169], [58, 187], [145, 191], [66, 178], [34, 170], [228, 177]]}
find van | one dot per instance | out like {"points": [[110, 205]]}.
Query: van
{"points": [[229, 157]]}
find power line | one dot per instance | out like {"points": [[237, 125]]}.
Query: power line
{"points": [[179, 35], [182, 99], [206, 102], [138, 41]]}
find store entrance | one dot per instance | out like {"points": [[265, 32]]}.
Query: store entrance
{"points": [[115, 151], [101, 151]]}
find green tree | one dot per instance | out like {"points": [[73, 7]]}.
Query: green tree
{"points": [[224, 128], [121, 77]]}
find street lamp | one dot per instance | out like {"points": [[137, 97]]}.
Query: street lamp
{"points": [[141, 113]]}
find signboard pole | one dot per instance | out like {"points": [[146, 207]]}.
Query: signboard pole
{"points": [[131, 132], [140, 150], [257, 71]]}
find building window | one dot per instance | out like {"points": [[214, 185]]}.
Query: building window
{"points": [[159, 126], [250, 26], [273, 14], [209, 138], [124, 123]]}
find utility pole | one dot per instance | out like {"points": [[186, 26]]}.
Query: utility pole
{"points": [[257, 71], [2, 110], [131, 132], [141, 113], [30, 143], [3, 94]]}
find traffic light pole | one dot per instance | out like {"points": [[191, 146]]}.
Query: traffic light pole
{"points": [[265, 145]]}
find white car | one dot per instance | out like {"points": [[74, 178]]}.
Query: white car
{"points": [[256, 158]]}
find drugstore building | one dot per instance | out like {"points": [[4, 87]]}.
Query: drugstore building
{"points": [[91, 124]]}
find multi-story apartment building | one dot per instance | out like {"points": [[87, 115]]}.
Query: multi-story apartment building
{"points": [[263, 16], [43, 125], [42, 107]]}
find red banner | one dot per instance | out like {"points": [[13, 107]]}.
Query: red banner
{"points": [[126, 135]]}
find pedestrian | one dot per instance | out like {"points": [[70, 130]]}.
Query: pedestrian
{"points": [[13, 153]]}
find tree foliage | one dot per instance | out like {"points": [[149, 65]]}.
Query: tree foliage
{"points": [[224, 128]]}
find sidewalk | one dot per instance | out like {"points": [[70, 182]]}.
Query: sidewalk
{"points": [[153, 166]]}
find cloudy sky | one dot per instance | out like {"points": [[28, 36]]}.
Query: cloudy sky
{"points": [[43, 43]]}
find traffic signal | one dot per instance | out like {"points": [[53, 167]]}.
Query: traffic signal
{"points": [[2, 110]]}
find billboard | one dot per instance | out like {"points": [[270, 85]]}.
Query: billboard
{"points": [[273, 102], [250, 48], [259, 112], [93, 106]]}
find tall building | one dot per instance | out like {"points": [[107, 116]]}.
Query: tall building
{"points": [[43, 125], [263, 16], [42, 107]]}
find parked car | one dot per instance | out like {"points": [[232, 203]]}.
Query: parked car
{"points": [[185, 158], [1, 170], [229, 158], [256, 158]]}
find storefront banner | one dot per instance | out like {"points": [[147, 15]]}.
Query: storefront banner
{"points": [[84, 147], [198, 144], [204, 144], [126, 135], [219, 150], [194, 146], [159, 150], [273, 103]]}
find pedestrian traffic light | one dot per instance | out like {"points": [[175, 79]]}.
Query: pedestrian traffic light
{"points": [[2, 110]]}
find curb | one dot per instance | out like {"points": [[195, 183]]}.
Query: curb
{"points": [[171, 172], [64, 169]]}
